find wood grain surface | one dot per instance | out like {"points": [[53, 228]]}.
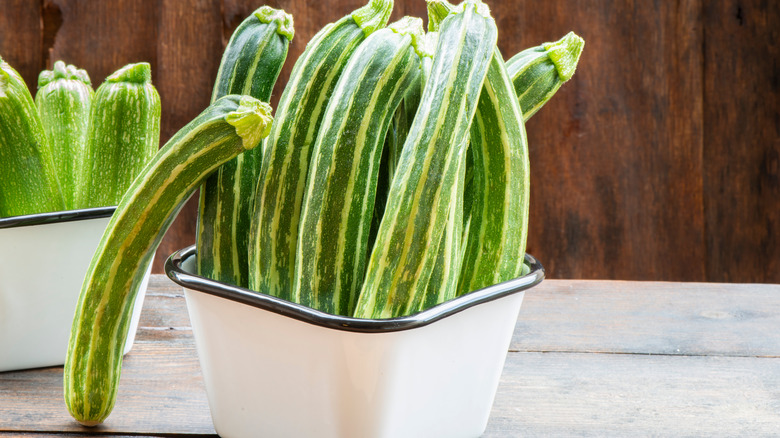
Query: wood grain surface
{"points": [[588, 358], [742, 142], [659, 160]]}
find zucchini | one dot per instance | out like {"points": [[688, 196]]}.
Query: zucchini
{"points": [[443, 285], [28, 177], [537, 73], [397, 133], [430, 167], [124, 133], [64, 100], [286, 153], [93, 363], [339, 200], [250, 66], [499, 186]]}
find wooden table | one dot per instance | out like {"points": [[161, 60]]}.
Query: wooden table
{"points": [[588, 358]]}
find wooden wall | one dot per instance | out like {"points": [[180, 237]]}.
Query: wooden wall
{"points": [[659, 160]]}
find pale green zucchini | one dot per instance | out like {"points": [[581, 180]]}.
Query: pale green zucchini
{"points": [[93, 364], [499, 187], [64, 100], [250, 66], [286, 153], [124, 134], [339, 200], [28, 177], [537, 73], [407, 244]]}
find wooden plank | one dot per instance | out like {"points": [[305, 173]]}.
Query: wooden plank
{"points": [[742, 153], [164, 314], [541, 393], [616, 154], [21, 38], [189, 50], [650, 318], [159, 376], [570, 394]]}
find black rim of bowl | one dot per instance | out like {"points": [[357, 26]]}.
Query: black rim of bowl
{"points": [[56, 217], [174, 270]]}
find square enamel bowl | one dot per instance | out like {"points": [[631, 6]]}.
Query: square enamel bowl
{"points": [[274, 368], [43, 260]]}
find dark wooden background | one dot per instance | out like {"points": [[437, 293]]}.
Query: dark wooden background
{"points": [[659, 160]]}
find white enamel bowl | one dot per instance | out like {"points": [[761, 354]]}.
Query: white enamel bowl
{"points": [[274, 368], [43, 261]]}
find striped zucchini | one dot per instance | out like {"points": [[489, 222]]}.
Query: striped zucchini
{"points": [[286, 153], [397, 133], [418, 207], [93, 363], [499, 190], [339, 201], [537, 73], [443, 285], [64, 100], [124, 133], [250, 65], [28, 177]]}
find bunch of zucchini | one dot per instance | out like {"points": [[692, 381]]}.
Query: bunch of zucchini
{"points": [[72, 147], [394, 177]]}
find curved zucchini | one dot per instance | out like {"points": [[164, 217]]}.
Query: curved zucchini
{"points": [[418, 207], [286, 153], [28, 177], [64, 100], [93, 363], [250, 66], [537, 73], [498, 220], [124, 133], [499, 186], [339, 201]]}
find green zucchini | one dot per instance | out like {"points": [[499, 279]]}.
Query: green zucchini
{"points": [[286, 153], [418, 207], [499, 187], [64, 100], [443, 285], [250, 66], [339, 200], [124, 133], [93, 363], [28, 177], [397, 133], [538, 72]]}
